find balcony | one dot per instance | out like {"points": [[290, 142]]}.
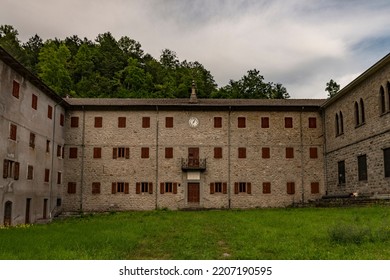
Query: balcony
{"points": [[193, 164]]}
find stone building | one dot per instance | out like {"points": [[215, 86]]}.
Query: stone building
{"points": [[76, 154]]}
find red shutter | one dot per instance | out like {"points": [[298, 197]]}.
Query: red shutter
{"points": [[224, 188], [127, 153], [313, 152], [49, 112], [98, 121], [121, 121], [241, 152], [312, 122], [291, 188], [150, 186], [162, 185], [217, 122], [264, 122], [288, 122], [289, 152], [169, 122], [114, 153], [236, 188], [241, 122], [113, 188], [74, 122], [174, 188], [168, 152], [212, 188], [138, 188], [146, 122], [5, 168], [126, 188], [266, 187], [315, 187], [265, 152], [248, 188]]}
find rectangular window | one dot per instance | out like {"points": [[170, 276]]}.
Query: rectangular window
{"points": [[241, 122], [169, 152], [120, 187], [97, 152], [362, 168], [121, 122], [121, 152], [266, 187], [71, 187], [74, 122], [144, 187], [47, 175], [265, 152], [96, 188], [218, 187], [12, 132], [168, 187], [11, 169], [144, 152], [241, 152], [30, 172], [145, 122], [290, 188], [49, 112], [217, 122], [288, 122], [315, 187], [98, 122], [313, 152], [341, 172], [73, 152], [312, 122], [217, 152], [47, 146], [386, 159], [62, 119], [59, 177], [289, 152], [59, 151], [15, 89], [169, 122], [31, 143], [264, 122], [242, 187], [34, 102]]}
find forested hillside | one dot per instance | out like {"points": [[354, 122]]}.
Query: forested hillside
{"points": [[107, 67]]}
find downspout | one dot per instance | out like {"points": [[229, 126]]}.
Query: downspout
{"points": [[324, 149], [82, 161], [302, 158], [157, 139], [52, 159], [229, 160]]}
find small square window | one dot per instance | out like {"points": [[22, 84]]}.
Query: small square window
{"points": [[62, 119], [313, 152], [169, 152], [96, 188], [72, 152], [289, 152], [97, 152], [267, 187], [121, 122], [32, 140], [241, 152], [59, 177], [169, 122], [145, 122], [217, 122], [312, 122], [241, 122], [12, 132], [74, 122], [30, 172], [315, 187], [265, 152], [264, 122], [98, 122], [71, 187], [144, 152], [217, 152], [49, 112], [15, 89], [290, 188], [47, 175]]}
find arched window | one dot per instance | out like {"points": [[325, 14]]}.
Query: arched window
{"points": [[382, 98], [337, 124], [388, 96], [341, 123], [356, 114], [362, 113]]}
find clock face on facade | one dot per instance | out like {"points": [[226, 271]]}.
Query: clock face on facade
{"points": [[193, 122]]}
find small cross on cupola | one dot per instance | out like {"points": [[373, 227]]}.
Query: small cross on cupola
{"points": [[193, 97]]}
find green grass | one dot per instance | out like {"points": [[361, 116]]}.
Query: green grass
{"points": [[277, 234]]}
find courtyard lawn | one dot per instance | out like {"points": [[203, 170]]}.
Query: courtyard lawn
{"points": [[275, 234]]}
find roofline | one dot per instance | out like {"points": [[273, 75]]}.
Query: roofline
{"points": [[32, 78], [374, 68]]}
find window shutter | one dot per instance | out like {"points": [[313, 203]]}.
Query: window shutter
{"points": [[113, 188], [217, 122], [241, 122], [265, 152], [264, 122], [74, 122], [127, 153], [114, 153], [126, 188], [13, 130], [288, 122], [162, 185], [145, 122], [49, 112], [289, 152], [150, 186], [5, 168], [291, 188], [174, 188], [315, 187], [266, 187], [241, 152], [236, 188], [312, 122], [168, 152], [212, 188], [98, 121], [138, 188], [224, 188], [144, 152], [169, 122], [217, 152], [248, 188], [313, 152], [121, 122]]}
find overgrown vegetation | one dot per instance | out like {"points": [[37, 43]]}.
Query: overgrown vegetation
{"points": [[107, 67], [340, 233]]}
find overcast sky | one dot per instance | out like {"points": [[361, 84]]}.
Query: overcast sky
{"points": [[301, 44]]}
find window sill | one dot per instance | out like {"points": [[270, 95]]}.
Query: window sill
{"points": [[340, 134], [360, 124], [384, 113]]}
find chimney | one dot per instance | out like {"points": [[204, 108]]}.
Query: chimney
{"points": [[193, 98]]}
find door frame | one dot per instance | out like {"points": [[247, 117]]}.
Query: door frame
{"points": [[197, 190], [8, 213]]}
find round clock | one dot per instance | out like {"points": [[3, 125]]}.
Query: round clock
{"points": [[193, 122]]}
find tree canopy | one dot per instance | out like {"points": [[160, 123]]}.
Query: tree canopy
{"points": [[107, 67], [332, 88]]}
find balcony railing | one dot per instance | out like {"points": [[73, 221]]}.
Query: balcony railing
{"points": [[193, 164]]}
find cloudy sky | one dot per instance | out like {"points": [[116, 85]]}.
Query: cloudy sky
{"points": [[301, 44]]}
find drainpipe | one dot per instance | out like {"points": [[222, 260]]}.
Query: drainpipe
{"points": [[302, 158], [157, 138], [229, 161], [52, 159], [82, 161], [324, 150]]}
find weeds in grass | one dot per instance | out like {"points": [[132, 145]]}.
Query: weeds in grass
{"points": [[347, 233]]}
